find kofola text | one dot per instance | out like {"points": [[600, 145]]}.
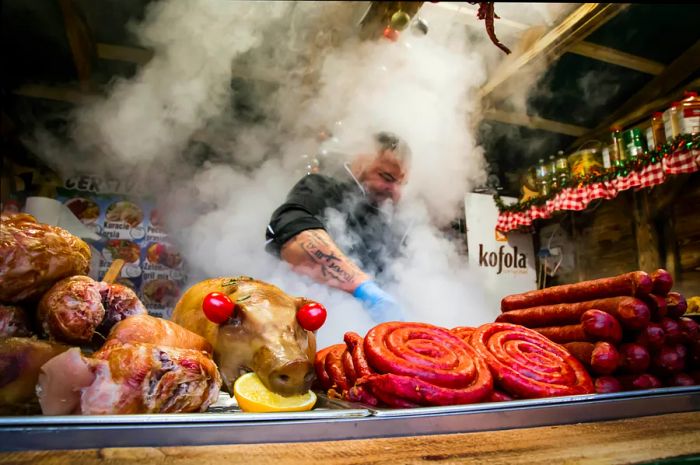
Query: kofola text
{"points": [[502, 259]]}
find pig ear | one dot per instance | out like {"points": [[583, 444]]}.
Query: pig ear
{"points": [[311, 351], [301, 301]]}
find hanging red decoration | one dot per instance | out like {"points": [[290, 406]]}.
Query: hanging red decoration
{"points": [[391, 33], [487, 13]]}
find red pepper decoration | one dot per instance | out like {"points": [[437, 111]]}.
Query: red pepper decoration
{"points": [[487, 13], [311, 316], [218, 307]]}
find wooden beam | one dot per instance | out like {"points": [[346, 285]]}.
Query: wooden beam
{"points": [[467, 16], [136, 55], [141, 56], [579, 24], [80, 41], [663, 84], [616, 57], [61, 94], [648, 108], [534, 122]]}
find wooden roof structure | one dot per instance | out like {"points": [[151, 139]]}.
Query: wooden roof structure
{"points": [[635, 58]]}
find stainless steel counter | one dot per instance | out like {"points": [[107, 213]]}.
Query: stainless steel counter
{"points": [[330, 420]]}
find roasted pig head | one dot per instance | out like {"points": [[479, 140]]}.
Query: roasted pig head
{"points": [[262, 335]]}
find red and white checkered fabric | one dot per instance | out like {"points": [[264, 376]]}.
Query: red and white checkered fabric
{"points": [[627, 182], [652, 175], [573, 199], [600, 190], [682, 162], [578, 198]]}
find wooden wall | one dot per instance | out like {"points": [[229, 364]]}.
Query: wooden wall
{"points": [[686, 227], [650, 229], [604, 239], [601, 240]]}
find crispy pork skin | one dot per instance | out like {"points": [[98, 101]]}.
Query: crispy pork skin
{"points": [[33, 256]]}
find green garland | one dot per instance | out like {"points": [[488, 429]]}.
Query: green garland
{"points": [[682, 142]]}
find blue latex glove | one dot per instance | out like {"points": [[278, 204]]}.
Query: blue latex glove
{"points": [[380, 305]]}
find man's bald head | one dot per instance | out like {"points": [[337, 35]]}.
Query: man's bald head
{"points": [[384, 172]]}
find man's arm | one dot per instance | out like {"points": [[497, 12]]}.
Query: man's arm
{"points": [[313, 253]]}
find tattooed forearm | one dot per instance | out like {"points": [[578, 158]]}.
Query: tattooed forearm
{"points": [[314, 253], [333, 264]]}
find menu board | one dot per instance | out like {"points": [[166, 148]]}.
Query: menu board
{"points": [[131, 229]]}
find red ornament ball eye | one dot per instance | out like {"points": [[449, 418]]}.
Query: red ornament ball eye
{"points": [[391, 33], [218, 307], [311, 316]]}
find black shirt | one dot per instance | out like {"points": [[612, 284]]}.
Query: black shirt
{"points": [[362, 231]]}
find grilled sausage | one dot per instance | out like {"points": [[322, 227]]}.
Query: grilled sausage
{"points": [[632, 313], [637, 283]]}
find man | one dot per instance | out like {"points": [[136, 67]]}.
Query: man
{"points": [[299, 229]]}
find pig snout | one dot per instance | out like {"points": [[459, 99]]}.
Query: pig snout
{"points": [[284, 374], [292, 378]]}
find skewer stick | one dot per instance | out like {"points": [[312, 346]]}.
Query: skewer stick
{"points": [[113, 272]]}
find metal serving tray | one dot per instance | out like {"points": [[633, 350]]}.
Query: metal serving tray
{"points": [[331, 420], [225, 410]]}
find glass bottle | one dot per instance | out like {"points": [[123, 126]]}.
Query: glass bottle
{"points": [[607, 157], [552, 173], [619, 146], [542, 175], [562, 168], [634, 143]]}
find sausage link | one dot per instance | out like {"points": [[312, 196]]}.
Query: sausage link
{"points": [[357, 351], [601, 326], [676, 304], [602, 358], [657, 305], [637, 283], [563, 334], [349, 367], [661, 282], [632, 313], [335, 369], [582, 351]]}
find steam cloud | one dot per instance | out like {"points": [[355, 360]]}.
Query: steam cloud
{"points": [[318, 76]]}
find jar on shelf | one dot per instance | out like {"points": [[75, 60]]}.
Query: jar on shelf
{"points": [[634, 143], [671, 122], [529, 188], [689, 114], [586, 161], [619, 151]]}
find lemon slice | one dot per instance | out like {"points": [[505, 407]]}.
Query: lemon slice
{"points": [[253, 396]]}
